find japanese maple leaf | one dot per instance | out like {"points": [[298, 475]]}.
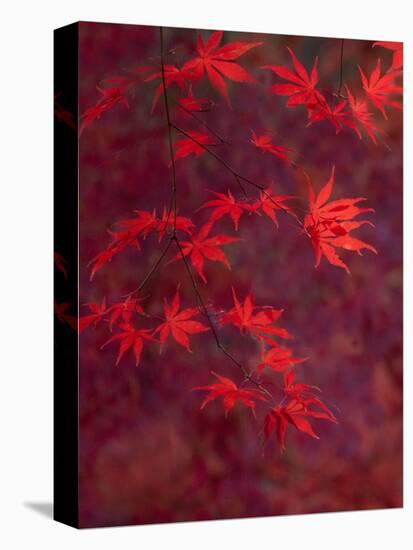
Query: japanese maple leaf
{"points": [[264, 143], [173, 75], [361, 114], [132, 229], [125, 310], [226, 205], [329, 224], [98, 312], [192, 145], [181, 223], [246, 318], [279, 359], [141, 225], [220, 62], [146, 222], [203, 246], [304, 394], [230, 394], [295, 390], [101, 259], [111, 96], [295, 413], [123, 239], [179, 323], [337, 115], [397, 49], [379, 88], [193, 104], [301, 89], [120, 241], [270, 203], [130, 338]]}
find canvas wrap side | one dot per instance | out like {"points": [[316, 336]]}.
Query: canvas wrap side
{"points": [[66, 46]]}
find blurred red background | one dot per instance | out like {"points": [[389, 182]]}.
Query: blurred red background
{"points": [[147, 453]]}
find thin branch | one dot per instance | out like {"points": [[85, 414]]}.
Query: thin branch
{"points": [[340, 84], [204, 309], [152, 270], [201, 121], [171, 149], [215, 134], [239, 176], [174, 238]]}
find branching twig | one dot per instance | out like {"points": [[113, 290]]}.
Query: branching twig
{"points": [[175, 239], [238, 176], [204, 124], [211, 324], [171, 150], [152, 270]]}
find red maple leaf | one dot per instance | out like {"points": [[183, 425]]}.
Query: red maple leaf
{"points": [[132, 229], [302, 85], [264, 143], [337, 115], [270, 203], [379, 88], [111, 96], [295, 390], [361, 114], [130, 338], [279, 359], [226, 205], [247, 319], [167, 221], [397, 49], [125, 310], [329, 224], [141, 225], [146, 222], [295, 413], [97, 315], [120, 241], [202, 246], [220, 62], [123, 239], [192, 145], [101, 259], [230, 394], [173, 75], [304, 394], [193, 104], [179, 323]]}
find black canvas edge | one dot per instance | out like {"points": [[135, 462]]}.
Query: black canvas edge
{"points": [[66, 199]]}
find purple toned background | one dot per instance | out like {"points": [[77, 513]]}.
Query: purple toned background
{"points": [[147, 453]]}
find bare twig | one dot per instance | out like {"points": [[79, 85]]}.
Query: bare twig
{"points": [[340, 84], [152, 270], [171, 150]]}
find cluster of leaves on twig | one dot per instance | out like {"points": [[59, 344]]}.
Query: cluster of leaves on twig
{"points": [[328, 224]]}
